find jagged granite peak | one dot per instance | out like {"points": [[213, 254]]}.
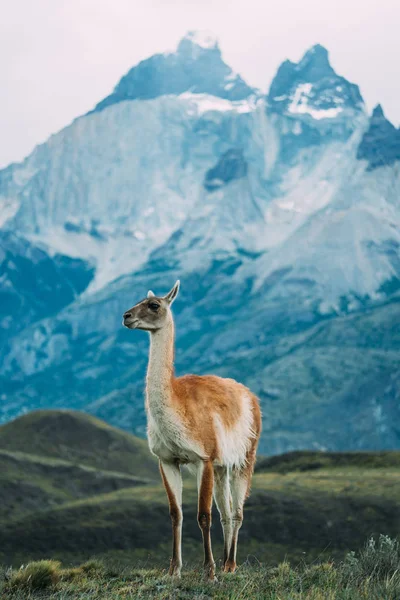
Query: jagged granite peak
{"points": [[196, 66], [312, 89], [380, 145], [315, 63], [378, 113]]}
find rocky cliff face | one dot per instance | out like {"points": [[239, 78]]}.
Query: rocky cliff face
{"points": [[278, 214]]}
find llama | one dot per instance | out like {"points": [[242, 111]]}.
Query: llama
{"points": [[208, 423]]}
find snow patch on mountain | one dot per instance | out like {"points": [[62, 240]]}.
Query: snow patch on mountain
{"points": [[301, 104], [312, 88], [203, 38], [202, 103]]}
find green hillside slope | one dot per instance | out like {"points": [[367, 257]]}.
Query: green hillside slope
{"points": [[79, 439]]}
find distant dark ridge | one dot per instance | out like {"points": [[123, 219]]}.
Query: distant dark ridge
{"points": [[78, 438], [308, 460]]}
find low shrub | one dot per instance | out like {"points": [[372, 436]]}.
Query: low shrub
{"points": [[37, 575], [93, 567], [378, 560]]}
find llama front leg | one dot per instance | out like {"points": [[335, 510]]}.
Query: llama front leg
{"points": [[205, 485], [172, 479]]}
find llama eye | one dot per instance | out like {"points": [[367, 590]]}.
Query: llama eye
{"points": [[154, 306]]}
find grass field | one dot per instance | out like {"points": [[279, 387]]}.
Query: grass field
{"points": [[318, 514], [372, 574], [73, 489]]}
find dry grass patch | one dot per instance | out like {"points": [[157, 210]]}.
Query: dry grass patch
{"points": [[39, 575]]}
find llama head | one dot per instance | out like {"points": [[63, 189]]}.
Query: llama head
{"points": [[152, 313]]}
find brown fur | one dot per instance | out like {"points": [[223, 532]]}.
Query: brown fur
{"points": [[204, 515], [197, 398]]}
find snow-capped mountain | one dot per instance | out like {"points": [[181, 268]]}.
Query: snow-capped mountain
{"points": [[312, 89], [279, 213], [196, 67]]}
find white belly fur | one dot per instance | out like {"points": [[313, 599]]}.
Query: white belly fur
{"points": [[233, 444], [168, 438]]}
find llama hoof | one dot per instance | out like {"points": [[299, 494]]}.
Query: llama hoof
{"points": [[174, 571], [209, 574], [229, 566], [175, 575]]}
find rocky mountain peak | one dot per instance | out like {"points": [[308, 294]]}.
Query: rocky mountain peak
{"points": [[196, 66], [380, 145], [378, 113], [315, 63], [311, 89]]}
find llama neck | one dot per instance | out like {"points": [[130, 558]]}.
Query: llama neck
{"points": [[160, 370]]}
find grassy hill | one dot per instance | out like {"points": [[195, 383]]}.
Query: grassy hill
{"points": [[79, 439], [50, 458], [34, 483], [71, 487]]}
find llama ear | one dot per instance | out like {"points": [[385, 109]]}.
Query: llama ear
{"points": [[150, 294], [170, 297]]}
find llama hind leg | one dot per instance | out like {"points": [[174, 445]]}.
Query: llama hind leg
{"points": [[222, 496], [240, 487], [172, 479]]}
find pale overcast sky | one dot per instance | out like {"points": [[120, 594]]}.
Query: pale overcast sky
{"points": [[60, 57]]}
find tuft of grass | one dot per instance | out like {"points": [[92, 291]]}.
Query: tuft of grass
{"points": [[282, 575], [72, 574], [323, 576], [378, 561], [39, 575], [93, 566]]}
